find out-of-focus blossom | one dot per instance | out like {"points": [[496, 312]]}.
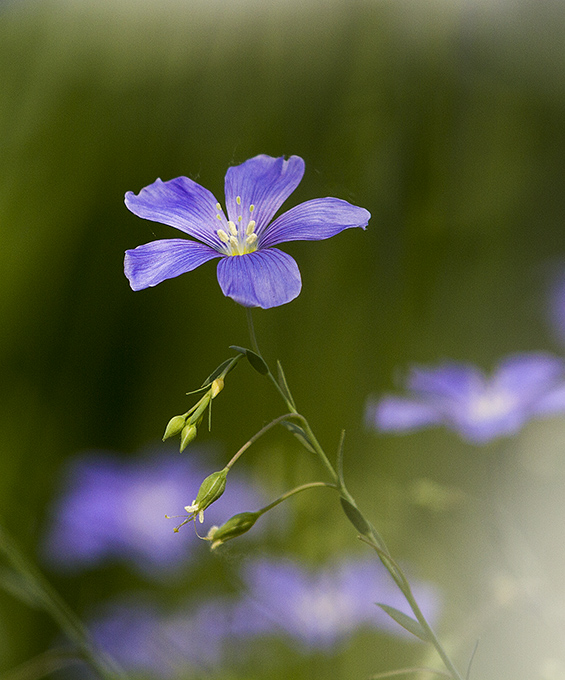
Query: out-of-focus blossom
{"points": [[556, 306], [479, 408], [250, 271], [322, 607], [113, 508], [151, 643]]}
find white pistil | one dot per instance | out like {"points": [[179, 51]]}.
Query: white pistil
{"points": [[223, 236], [232, 227], [250, 227], [250, 240]]}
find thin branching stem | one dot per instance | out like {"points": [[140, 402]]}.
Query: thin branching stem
{"points": [[371, 535]]}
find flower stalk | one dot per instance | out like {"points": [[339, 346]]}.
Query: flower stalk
{"points": [[368, 533]]}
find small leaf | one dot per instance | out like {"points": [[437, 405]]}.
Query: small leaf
{"points": [[210, 379], [284, 385], [257, 362], [241, 350], [355, 517], [339, 466], [254, 359], [407, 622], [299, 433]]}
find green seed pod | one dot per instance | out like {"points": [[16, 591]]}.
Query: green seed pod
{"points": [[188, 433], [174, 426], [210, 490], [235, 526]]}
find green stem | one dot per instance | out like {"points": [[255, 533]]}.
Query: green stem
{"points": [[297, 489], [371, 536], [52, 603], [257, 435]]}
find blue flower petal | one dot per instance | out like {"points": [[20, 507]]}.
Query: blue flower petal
{"points": [[400, 414], [153, 262], [264, 182], [179, 203], [265, 278], [314, 220], [451, 381], [528, 374]]}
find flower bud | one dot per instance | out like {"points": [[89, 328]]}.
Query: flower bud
{"points": [[210, 490], [188, 433], [235, 526], [174, 426], [217, 387]]}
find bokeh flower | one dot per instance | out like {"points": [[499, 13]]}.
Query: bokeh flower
{"points": [[321, 607], [250, 271], [149, 642], [113, 508], [556, 305], [479, 408]]}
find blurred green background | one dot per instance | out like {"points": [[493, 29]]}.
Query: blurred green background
{"points": [[445, 119]]}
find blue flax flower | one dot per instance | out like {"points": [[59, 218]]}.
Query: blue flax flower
{"points": [[250, 271], [479, 408], [322, 607], [152, 643]]}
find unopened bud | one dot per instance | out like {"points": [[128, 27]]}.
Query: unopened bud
{"points": [[174, 426], [217, 387], [188, 433], [235, 526], [210, 490]]}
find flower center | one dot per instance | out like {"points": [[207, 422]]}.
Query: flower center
{"points": [[237, 238], [491, 404]]}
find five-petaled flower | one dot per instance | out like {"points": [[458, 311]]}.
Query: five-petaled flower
{"points": [[251, 271], [461, 397]]}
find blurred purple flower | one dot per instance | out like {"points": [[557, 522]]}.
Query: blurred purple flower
{"points": [[321, 607], [143, 640], [556, 306], [113, 508], [461, 397], [250, 271]]}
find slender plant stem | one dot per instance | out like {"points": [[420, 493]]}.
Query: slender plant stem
{"points": [[257, 436], [49, 599], [298, 489], [369, 534]]}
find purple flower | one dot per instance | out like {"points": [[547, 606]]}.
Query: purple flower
{"points": [[144, 640], [321, 607], [114, 508], [556, 306], [250, 271], [461, 397]]}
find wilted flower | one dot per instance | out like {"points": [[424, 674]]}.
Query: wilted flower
{"points": [[321, 607], [114, 508], [461, 397], [250, 271]]}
